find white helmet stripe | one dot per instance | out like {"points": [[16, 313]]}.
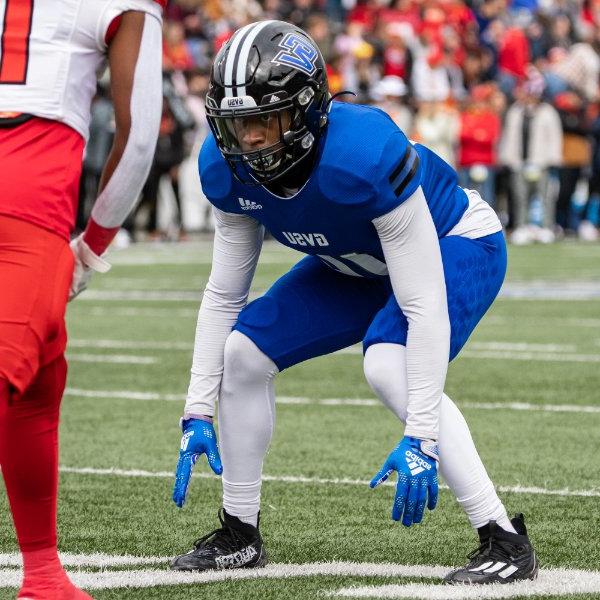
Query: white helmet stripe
{"points": [[242, 62], [228, 81]]}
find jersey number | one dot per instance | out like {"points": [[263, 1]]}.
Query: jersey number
{"points": [[14, 43]]}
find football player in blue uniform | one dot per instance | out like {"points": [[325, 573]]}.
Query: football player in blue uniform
{"points": [[398, 257]]}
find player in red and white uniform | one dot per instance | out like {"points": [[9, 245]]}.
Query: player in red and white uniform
{"points": [[50, 53]]}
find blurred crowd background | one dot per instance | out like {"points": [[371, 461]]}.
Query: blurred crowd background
{"points": [[505, 91]]}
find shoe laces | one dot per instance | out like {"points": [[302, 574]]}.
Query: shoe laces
{"points": [[492, 548], [222, 538]]}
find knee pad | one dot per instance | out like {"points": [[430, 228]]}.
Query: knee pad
{"points": [[385, 370], [244, 363]]}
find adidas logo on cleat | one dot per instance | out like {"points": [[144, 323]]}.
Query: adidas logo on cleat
{"points": [[500, 567], [237, 559], [235, 545]]}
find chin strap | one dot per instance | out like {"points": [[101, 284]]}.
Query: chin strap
{"points": [[342, 93]]}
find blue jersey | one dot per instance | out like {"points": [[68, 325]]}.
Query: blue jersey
{"points": [[366, 167]]}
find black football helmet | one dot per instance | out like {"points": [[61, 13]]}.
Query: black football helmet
{"points": [[267, 100]]}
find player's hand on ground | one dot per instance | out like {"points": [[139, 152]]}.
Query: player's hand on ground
{"points": [[415, 461], [86, 262], [198, 438]]}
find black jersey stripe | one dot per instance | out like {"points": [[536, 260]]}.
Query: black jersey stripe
{"points": [[400, 165], [406, 180]]}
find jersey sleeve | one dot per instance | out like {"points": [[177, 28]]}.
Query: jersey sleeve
{"points": [[113, 9], [371, 176], [215, 175], [398, 175]]}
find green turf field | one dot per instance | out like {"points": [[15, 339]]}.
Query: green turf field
{"points": [[528, 383]]}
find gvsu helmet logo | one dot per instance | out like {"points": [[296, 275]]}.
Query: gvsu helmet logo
{"points": [[297, 53]]}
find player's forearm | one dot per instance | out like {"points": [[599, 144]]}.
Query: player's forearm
{"points": [[413, 258], [216, 318], [237, 246], [427, 350], [131, 156]]}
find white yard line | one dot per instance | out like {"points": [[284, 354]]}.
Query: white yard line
{"points": [[173, 259], [582, 322], [529, 356], [122, 359], [123, 394], [97, 560], [557, 322], [153, 577], [317, 481], [522, 347], [130, 345], [141, 312], [567, 290], [367, 402], [171, 313], [107, 295], [563, 356], [547, 291], [521, 351], [550, 581], [161, 283], [356, 349], [517, 351], [526, 406]]}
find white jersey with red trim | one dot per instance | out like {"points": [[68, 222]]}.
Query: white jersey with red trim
{"points": [[51, 52]]}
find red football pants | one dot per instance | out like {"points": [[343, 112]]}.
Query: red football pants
{"points": [[36, 267]]}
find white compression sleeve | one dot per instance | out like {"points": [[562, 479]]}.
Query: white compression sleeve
{"points": [[412, 254], [123, 188], [246, 423], [237, 245]]}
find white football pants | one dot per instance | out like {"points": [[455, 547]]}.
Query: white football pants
{"points": [[247, 419]]}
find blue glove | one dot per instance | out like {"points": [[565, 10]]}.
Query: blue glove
{"points": [[198, 438], [416, 463]]}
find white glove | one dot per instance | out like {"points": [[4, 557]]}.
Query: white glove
{"points": [[86, 262]]}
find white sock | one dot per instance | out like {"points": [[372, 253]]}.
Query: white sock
{"points": [[246, 422], [460, 465], [250, 519]]}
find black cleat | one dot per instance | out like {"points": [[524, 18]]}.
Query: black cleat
{"points": [[502, 557], [236, 545]]}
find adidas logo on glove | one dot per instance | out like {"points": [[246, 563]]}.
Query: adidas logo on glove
{"points": [[415, 463]]}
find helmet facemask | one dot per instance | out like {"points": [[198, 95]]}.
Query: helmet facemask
{"points": [[262, 143]]}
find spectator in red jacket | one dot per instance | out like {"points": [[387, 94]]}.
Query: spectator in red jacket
{"points": [[513, 56], [401, 11], [176, 53], [397, 56], [478, 138]]}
